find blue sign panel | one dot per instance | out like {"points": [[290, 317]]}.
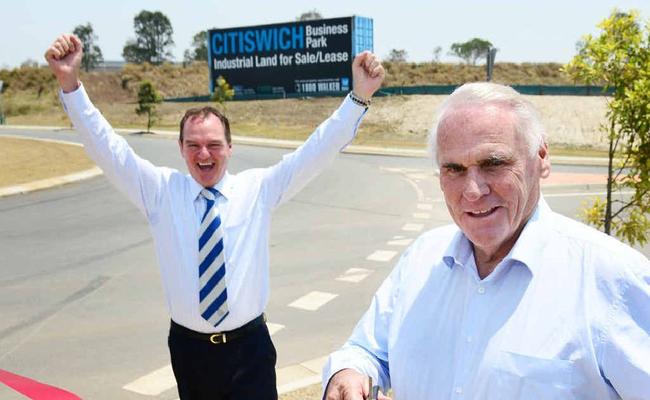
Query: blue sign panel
{"points": [[295, 57]]}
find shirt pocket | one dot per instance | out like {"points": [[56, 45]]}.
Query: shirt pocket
{"points": [[519, 376]]}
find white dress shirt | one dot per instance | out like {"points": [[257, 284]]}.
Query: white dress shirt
{"points": [[171, 203], [565, 315]]}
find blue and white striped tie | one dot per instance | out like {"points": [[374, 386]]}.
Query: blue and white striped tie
{"points": [[213, 296]]}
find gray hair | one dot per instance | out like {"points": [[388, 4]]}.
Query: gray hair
{"points": [[483, 93]]}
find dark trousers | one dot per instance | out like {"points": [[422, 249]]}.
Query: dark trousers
{"points": [[240, 369]]}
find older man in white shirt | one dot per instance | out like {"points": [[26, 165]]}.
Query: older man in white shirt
{"points": [[514, 301]]}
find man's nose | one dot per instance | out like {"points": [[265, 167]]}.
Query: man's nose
{"points": [[476, 185], [203, 152]]}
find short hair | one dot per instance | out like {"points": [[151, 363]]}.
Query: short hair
{"points": [[528, 122], [203, 112]]}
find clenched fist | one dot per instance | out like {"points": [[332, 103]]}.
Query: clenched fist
{"points": [[64, 58]]}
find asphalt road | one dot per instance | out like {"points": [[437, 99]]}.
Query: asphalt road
{"points": [[80, 295]]}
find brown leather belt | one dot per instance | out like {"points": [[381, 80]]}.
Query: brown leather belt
{"points": [[218, 337]]}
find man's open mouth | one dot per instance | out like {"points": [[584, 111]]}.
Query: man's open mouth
{"points": [[482, 213], [205, 166]]}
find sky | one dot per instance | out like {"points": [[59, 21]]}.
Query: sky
{"points": [[522, 30]]}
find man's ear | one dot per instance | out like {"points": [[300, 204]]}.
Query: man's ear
{"points": [[545, 161]]}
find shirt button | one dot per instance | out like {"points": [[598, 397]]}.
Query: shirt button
{"points": [[481, 290], [458, 390], [469, 339]]}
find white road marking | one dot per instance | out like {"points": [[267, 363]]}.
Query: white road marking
{"points": [[399, 237], [313, 301], [381, 255], [413, 227], [417, 189], [300, 375], [412, 176], [400, 242], [425, 206], [354, 275], [153, 383], [419, 177], [421, 215], [274, 328]]}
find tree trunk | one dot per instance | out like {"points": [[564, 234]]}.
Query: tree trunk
{"points": [[610, 182]]}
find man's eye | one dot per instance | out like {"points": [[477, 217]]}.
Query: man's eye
{"points": [[493, 163], [454, 168]]}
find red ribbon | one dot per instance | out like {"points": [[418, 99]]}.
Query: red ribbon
{"points": [[33, 389]]}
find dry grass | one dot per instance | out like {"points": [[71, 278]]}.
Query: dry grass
{"points": [[414, 74], [402, 121], [25, 160]]}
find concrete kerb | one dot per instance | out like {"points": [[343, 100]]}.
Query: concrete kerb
{"points": [[292, 144], [368, 150]]}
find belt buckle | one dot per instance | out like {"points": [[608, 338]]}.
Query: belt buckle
{"points": [[218, 338]]}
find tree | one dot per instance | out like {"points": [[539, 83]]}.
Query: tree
{"points": [[29, 63], [222, 92], [199, 49], [148, 97], [619, 59], [309, 15], [397, 56], [471, 50], [153, 39], [437, 51], [92, 56]]}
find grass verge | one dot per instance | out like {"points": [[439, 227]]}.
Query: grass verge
{"points": [[27, 160]]}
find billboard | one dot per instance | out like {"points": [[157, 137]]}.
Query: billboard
{"points": [[294, 57]]}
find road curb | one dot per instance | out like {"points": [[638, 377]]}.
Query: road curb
{"points": [[292, 144], [50, 182]]}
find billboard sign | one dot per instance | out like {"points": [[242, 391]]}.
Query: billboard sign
{"points": [[294, 57]]}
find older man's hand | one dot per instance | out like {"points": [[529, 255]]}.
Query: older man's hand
{"points": [[367, 75], [348, 384], [64, 58]]}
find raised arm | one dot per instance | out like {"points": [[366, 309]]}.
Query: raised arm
{"points": [[137, 178], [285, 179]]}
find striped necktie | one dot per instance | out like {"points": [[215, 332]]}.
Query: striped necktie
{"points": [[213, 296]]}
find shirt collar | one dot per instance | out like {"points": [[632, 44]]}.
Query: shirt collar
{"points": [[527, 249], [459, 250], [533, 238], [224, 186]]}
